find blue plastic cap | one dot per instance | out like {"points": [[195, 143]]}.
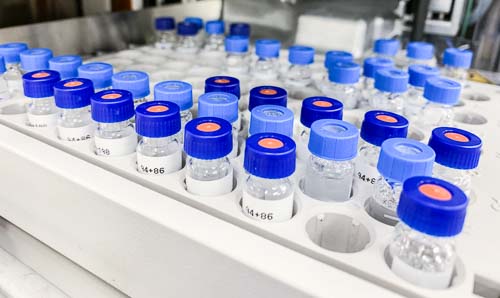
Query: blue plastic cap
{"points": [[242, 29], [218, 104], [419, 73], [270, 155], [208, 138], [337, 56], [136, 82], [73, 93], [391, 80], [178, 92], [333, 139], [111, 106], [388, 47], [10, 51], [98, 72], [35, 59], [320, 107], [420, 50], [267, 48], [271, 118], [441, 90], [371, 65], [456, 148], [195, 20], [157, 119], [379, 126], [165, 23], [66, 65], [432, 206], [344, 72], [236, 44], [214, 27], [40, 83], [187, 29], [267, 95], [2, 65], [457, 58], [402, 158], [223, 84], [301, 55]]}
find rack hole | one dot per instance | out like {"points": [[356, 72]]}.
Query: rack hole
{"points": [[470, 118]]}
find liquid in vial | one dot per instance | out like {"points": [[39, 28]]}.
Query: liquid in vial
{"points": [[159, 151], [237, 60], [432, 213], [4, 88], [390, 95], [112, 111], [298, 76], [215, 36], [39, 88], [456, 64], [399, 159], [265, 95], [386, 48], [370, 67], [187, 44], [165, 33], [457, 155], [419, 52], [99, 73], [242, 29], [271, 118], [419, 74], [268, 188], [11, 53], [66, 65], [343, 77], [200, 34], [137, 82], [333, 146], [72, 98], [331, 57], [35, 59], [266, 68], [208, 142]]}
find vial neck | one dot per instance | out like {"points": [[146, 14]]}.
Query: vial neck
{"points": [[158, 142], [114, 126], [82, 110]]}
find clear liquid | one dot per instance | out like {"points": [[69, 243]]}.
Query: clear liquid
{"points": [[73, 118], [4, 88], [348, 94], [368, 90], [414, 102], [117, 130], [42, 106], [386, 193], [298, 76], [457, 74], [13, 76], [266, 69], [237, 64], [461, 178], [186, 48], [392, 102], [215, 42], [268, 189], [434, 115], [186, 116], [208, 170], [166, 39]]}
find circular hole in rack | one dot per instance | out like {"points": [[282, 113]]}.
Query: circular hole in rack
{"points": [[13, 109], [415, 134], [476, 97], [338, 232], [470, 118], [460, 104]]}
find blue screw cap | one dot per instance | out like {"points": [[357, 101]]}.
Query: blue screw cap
{"points": [[267, 48], [271, 118], [157, 119], [270, 155], [320, 107], [214, 27], [236, 44], [371, 65], [242, 29], [432, 206], [218, 104], [195, 20], [187, 29], [379, 126], [387, 47], [2, 65], [11, 51], [223, 84], [301, 55], [344, 72], [66, 65], [267, 95], [402, 158], [111, 106], [419, 73], [391, 80], [208, 138], [457, 58], [73, 93], [178, 92], [40, 83], [35, 59], [441, 90], [164, 23], [456, 148], [137, 82], [333, 139], [98, 72], [337, 56], [420, 50]]}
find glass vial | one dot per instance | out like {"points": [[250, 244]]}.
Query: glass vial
{"points": [[39, 88], [165, 37], [11, 53], [344, 77], [419, 73], [271, 118], [99, 73], [137, 82], [35, 59], [391, 86], [66, 65]]}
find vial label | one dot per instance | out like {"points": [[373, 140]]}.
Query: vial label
{"points": [[42, 120], [267, 210], [364, 179], [210, 188], [158, 165], [433, 280], [75, 134], [116, 147]]}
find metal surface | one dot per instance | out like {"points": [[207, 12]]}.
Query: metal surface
{"points": [[487, 40]]}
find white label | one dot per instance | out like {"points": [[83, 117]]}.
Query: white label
{"points": [[432, 280], [75, 134], [42, 120], [267, 210], [158, 165], [116, 147], [365, 177], [210, 188]]}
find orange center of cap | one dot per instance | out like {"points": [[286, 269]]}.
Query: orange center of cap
{"points": [[268, 91], [222, 81], [435, 192], [111, 96], [456, 137], [157, 109], [322, 104], [271, 143], [73, 84], [39, 75], [386, 118], [208, 127]]}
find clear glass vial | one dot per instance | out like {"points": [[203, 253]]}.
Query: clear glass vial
{"points": [[432, 213], [332, 57], [72, 98], [113, 111], [165, 37], [299, 73], [237, 62], [271, 118], [390, 95], [35, 59], [370, 66], [386, 48], [456, 64], [39, 88], [266, 67], [200, 34], [419, 52], [99, 73], [457, 155], [344, 77], [66, 65], [137, 82], [268, 188], [187, 45], [419, 73], [11, 53], [4, 87], [330, 168], [158, 124], [215, 36], [208, 142]]}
